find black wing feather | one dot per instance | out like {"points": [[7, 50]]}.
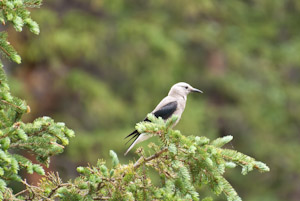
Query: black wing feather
{"points": [[164, 112]]}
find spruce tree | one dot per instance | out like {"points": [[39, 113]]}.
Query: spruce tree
{"points": [[184, 164], [43, 137]]}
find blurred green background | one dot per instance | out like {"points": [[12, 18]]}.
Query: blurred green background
{"points": [[102, 65]]}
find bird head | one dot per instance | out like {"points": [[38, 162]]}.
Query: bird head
{"points": [[182, 89]]}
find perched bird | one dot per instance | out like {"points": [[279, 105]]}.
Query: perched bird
{"points": [[173, 104]]}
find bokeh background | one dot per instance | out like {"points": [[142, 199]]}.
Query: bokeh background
{"points": [[101, 65]]}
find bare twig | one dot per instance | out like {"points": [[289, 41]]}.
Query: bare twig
{"points": [[21, 192], [102, 198]]}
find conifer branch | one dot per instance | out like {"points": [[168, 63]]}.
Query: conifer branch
{"points": [[183, 163], [11, 104], [5, 51], [22, 192], [143, 160], [43, 138]]}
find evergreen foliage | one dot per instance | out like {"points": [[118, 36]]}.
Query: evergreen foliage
{"points": [[16, 11], [42, 138], [244, 55], [184, 165]]}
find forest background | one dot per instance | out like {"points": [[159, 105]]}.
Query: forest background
{"points": [[100, 66]]}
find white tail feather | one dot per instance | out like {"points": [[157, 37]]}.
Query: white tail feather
{"points": [[141, 138]]}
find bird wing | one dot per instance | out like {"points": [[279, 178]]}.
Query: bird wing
{"points": [[165, 111]]}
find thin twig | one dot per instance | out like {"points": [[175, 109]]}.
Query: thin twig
{"points": [[4, 50], [6, 102], [53, 191], [102, 198], [142, 160], [21, 192], [239, 161], [14, 145], [59, 145]]}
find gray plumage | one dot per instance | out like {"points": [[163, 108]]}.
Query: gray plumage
{"points": [[173, 104]]}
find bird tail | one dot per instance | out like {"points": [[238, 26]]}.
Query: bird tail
{"points": [[131, 146], [133, 132], [134, 135], [139, 139]]}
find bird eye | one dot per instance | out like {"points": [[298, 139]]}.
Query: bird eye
{"points": [[186, 87]]}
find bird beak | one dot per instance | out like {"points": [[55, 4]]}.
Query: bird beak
{"points": [[196, 90]]}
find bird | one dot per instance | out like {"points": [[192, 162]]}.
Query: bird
{"points": [[173, 104]]}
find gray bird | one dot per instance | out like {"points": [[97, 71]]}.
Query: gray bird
{"points": [[173, 104]]}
